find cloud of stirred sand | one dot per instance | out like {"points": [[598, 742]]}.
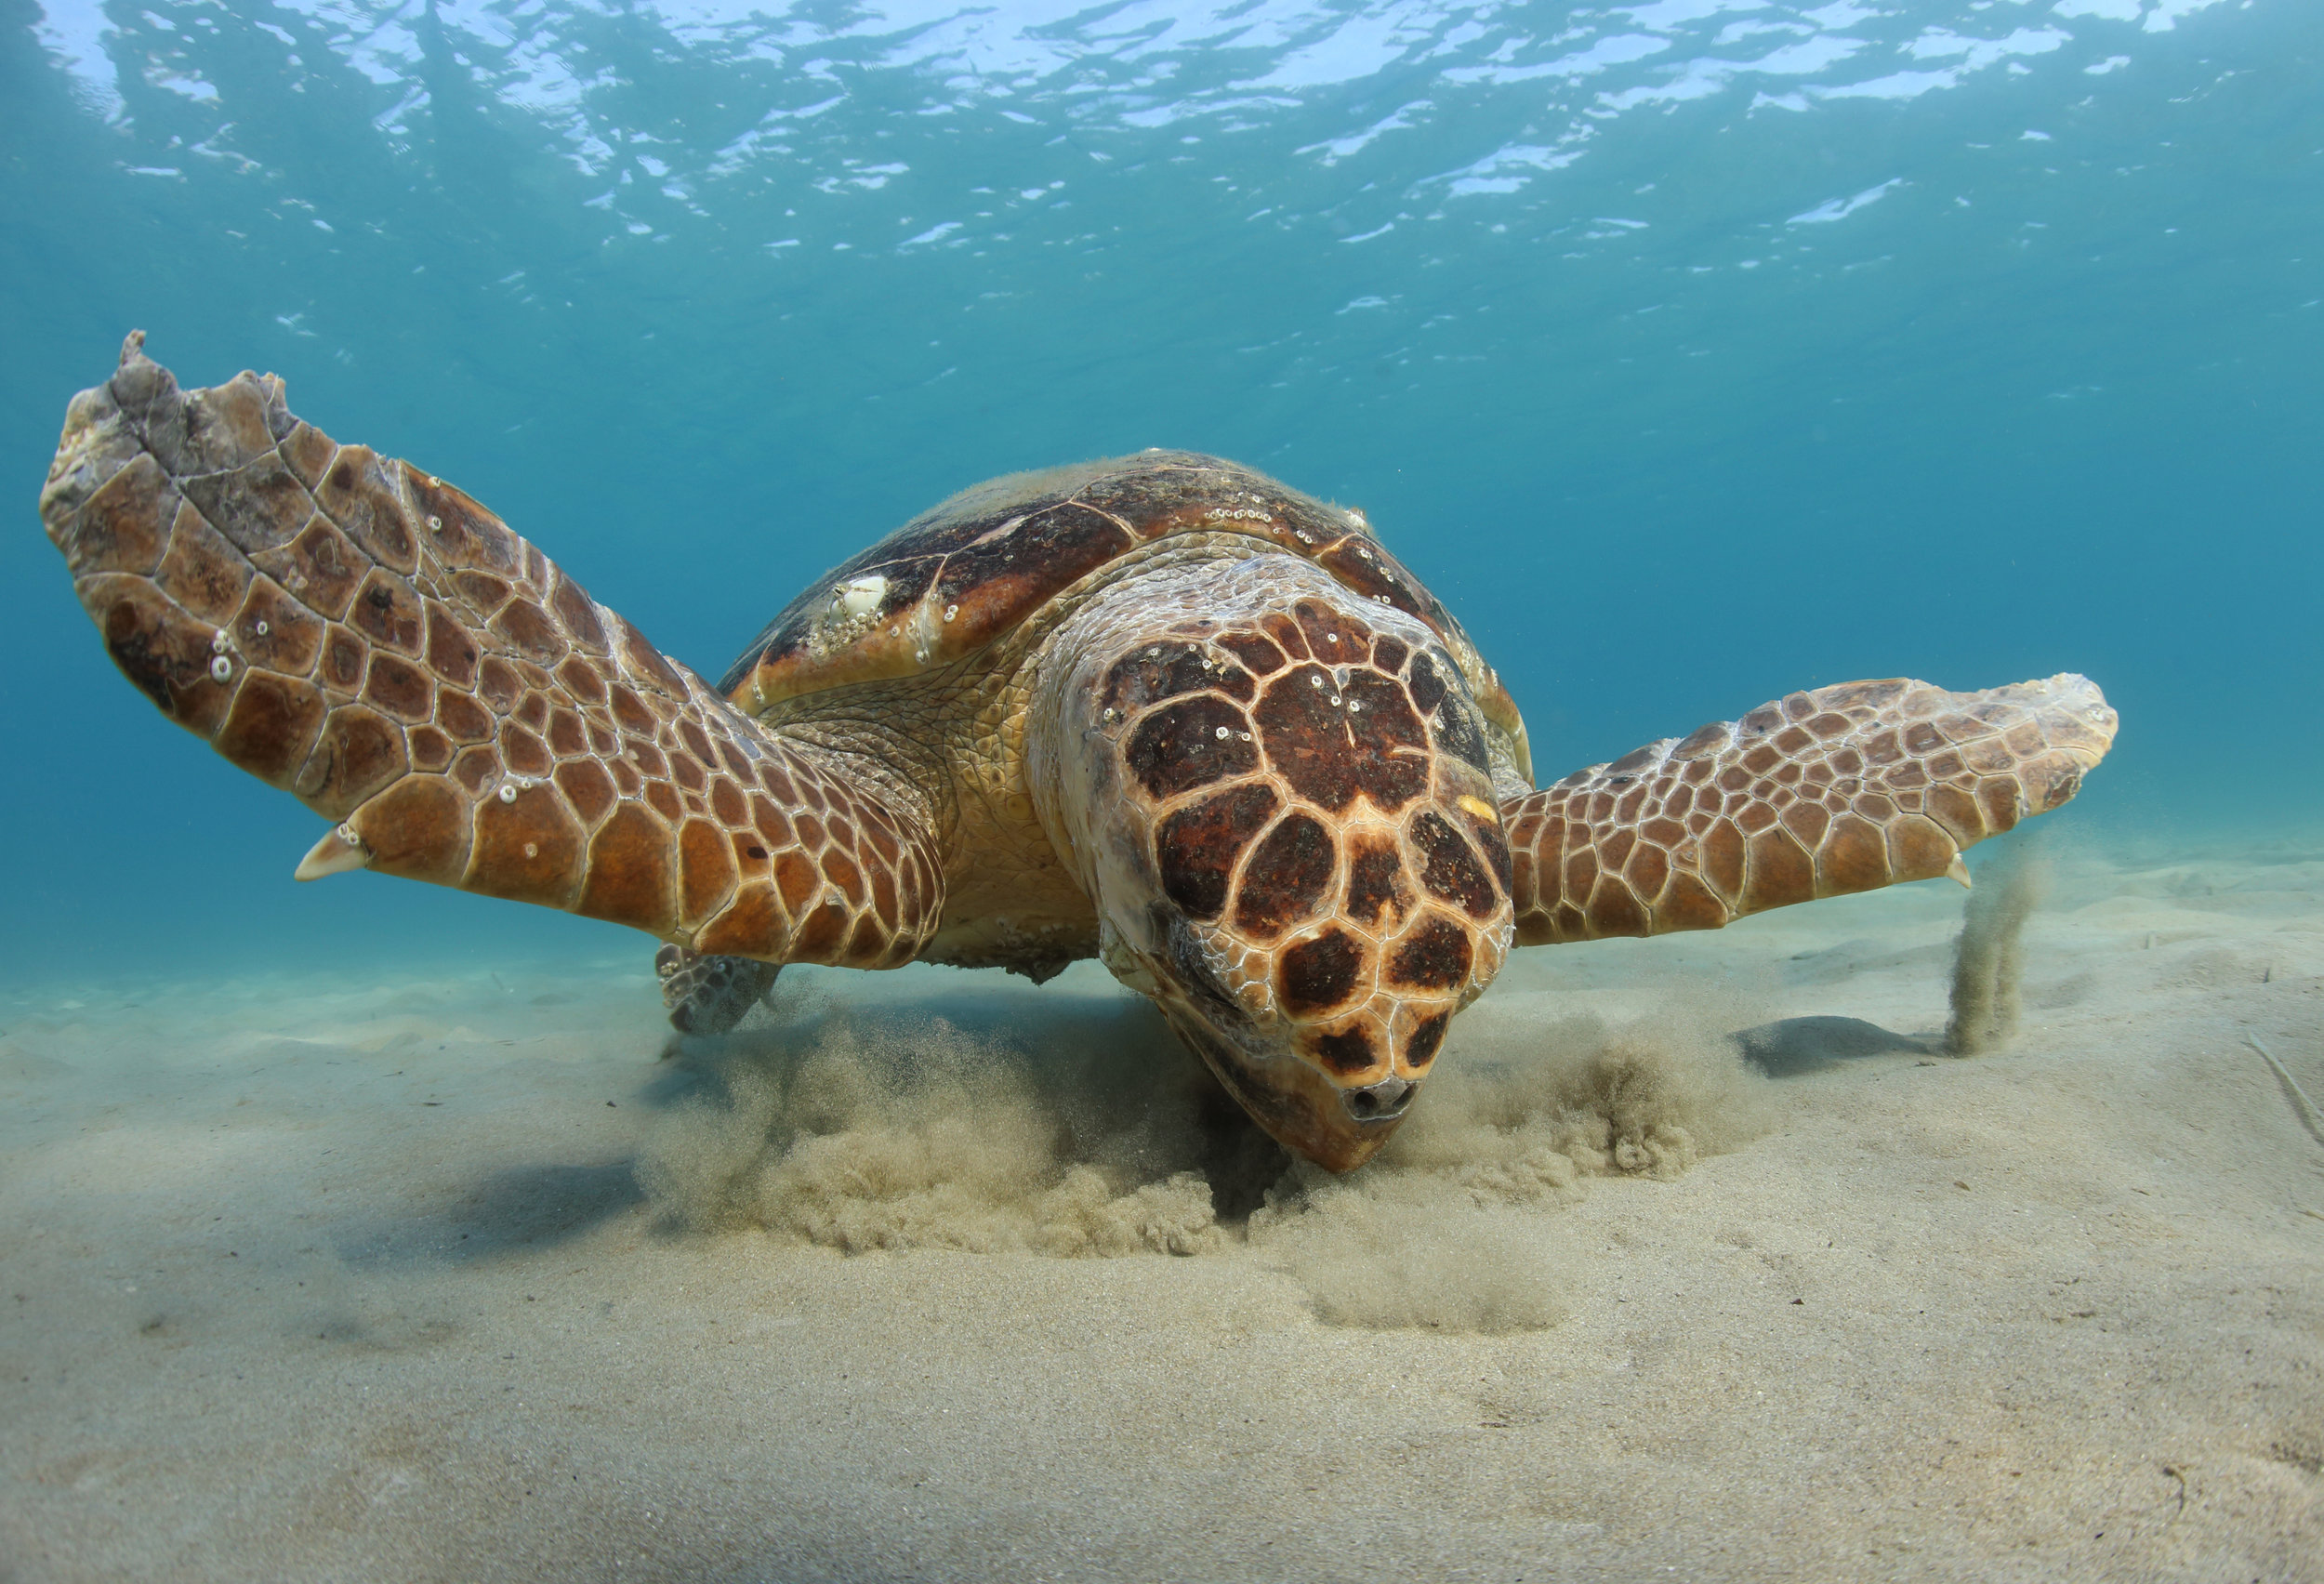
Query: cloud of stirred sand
{"points": [[1090, 1131]]}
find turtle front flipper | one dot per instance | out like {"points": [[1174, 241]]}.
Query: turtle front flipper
{"points": [[1843, 789], [370, 639]]}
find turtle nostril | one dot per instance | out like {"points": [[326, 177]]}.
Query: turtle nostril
{"points": [[1380, 1101]]}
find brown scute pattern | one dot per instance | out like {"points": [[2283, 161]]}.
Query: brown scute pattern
{"points": [[165, 657], [125, 523], [1289, 871], [1333, 637], [1196, 848], [1461, 733], [1286, 634], [1191, 743], [1450, 868], [1348, 1052], [1427, 1037], [1166, 670], [1436, 955], [1255, 651], [1320, 974], [1335, 741], [273, 726], [1428, 685], [372, 640], [1485, 828], [1378, 896], [1438, 693], [959, 576], [1346, 877], [204, 569], [1819, 794]]}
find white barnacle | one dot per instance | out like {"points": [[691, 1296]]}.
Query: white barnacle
{"points": [[1355, 706], [1222, 733], [1111, 716], [1314, 681], [858, 596], [1245, 735], [1331, 637], [218, 641], [435, 524], [507, 792], [221, 670], [951, 610], [262, 630]]}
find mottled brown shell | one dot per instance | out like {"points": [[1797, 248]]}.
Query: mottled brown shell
{"points": [[956, 578]]}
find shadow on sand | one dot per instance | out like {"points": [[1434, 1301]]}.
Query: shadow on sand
{"points": [[1789, 1046], [519, 1209]]}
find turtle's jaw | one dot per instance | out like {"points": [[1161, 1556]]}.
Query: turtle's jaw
{"points": [[1337, 1128], [1339, 1124]]}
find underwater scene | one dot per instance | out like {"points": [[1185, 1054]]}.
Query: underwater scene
{"points": [[1294, 789]]}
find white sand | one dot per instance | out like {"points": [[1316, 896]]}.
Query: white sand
{"points": [[313, 1279]]}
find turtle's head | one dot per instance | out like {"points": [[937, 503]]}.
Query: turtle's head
{"points": [[1278, 797]]}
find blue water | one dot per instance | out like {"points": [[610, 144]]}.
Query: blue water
{"points": [[1692, 351]]}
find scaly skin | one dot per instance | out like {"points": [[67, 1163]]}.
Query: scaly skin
{"points": [[368, 638], [1847, 788]]}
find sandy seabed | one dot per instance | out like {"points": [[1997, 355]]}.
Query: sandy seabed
{"points": [[932, 1275]]}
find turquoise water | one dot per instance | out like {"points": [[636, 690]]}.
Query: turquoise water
{"points": [[1690, 350]]}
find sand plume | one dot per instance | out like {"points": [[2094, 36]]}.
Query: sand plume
{"points": [[859, 1134], [1434, 1234], [1988, 955], [1093, 1134]]}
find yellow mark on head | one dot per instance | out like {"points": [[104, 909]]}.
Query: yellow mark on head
{"points": [[1479, 806]]}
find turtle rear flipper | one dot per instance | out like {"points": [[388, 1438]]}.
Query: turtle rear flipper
{"points": [[1847, 788], [710, 994], [369, 638]]}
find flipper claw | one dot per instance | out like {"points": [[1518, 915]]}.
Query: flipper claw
{"points": [[340, 851]]}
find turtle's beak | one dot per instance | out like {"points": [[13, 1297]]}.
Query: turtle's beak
{"points": [[1338, 1128]]}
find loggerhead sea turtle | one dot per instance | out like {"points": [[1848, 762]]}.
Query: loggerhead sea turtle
{"points": [[1161, 711]]}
